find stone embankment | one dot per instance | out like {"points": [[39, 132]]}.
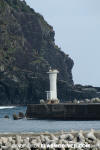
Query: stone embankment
{"points": [[74, 140]]}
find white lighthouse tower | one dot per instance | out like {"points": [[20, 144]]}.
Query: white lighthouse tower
{"points": [[52, 94]]}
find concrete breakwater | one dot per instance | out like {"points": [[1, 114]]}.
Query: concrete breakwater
{"points": [[64, 111], [87, 140]]}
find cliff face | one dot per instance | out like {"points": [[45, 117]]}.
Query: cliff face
{"points": [[27, 50]]}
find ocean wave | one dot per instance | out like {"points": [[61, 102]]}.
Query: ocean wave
{"points": [[7, 107]]}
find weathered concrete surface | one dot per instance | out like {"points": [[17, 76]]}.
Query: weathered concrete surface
{"points": [[64, 111]]}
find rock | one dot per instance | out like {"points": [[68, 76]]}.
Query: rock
{"points": [[4, 147], [15, 117], [42, 101], [4, 140], [6, 116], [69, 137], [35, 141], [39, 141], [15, 147], [0, 141], [10, 139], [13, 142], [21, 115], [18, 139], [23, 146], [95, 100], [26, 141], [42, 138], [47, 139], [52, 137], [9, 147], [60, 141], [63, 136], [90, 136], [27, 147], [85, 92], [64, 142], [87, 100], [75, 101], [97, 145], [80, 137]]}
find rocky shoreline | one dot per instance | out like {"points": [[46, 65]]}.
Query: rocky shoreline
{"points": [[78, 140]]}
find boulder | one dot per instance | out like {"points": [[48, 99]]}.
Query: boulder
{"points": [[6, 116], [4, 140], [15, 117], [80, 137], [18, 139], [69, 137], [21, 115], [90, 135], [42, 101]]}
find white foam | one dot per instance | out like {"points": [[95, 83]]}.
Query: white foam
{"points": [[5, 107]]}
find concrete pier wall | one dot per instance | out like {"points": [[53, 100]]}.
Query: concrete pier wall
{"points": [[64, 111]]}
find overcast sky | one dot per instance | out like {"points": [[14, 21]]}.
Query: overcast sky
{"points": [[77, 27]]}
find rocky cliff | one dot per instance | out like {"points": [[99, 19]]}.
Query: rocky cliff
{"points": [[27, 50]]}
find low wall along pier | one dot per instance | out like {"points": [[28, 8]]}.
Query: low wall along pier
{"points": [[64, 111]]}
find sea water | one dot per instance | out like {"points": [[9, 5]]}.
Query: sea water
{"points": [[24, 125]]}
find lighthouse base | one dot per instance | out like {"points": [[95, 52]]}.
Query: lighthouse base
{"points": [[52, 101]]}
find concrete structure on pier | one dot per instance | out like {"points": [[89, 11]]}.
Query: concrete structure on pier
{"points": [[64, 111]]}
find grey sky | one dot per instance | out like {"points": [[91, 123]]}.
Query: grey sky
{"points": [[77, 27]]}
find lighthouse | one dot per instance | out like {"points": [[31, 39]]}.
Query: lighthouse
{"points": [[52, 94]]}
